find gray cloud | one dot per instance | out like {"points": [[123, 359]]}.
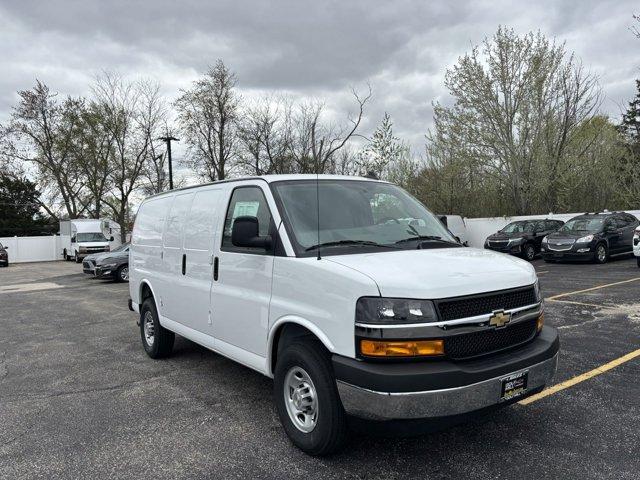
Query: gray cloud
{"points": [[319, 49]]}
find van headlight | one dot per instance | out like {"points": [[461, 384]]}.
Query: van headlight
{"points": [[393, 311]]}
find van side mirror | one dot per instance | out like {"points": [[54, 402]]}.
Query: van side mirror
{"points": [[111, 238], [73, 239], [245, 233]]}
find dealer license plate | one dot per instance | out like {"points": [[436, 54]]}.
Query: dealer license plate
{"points": [[514, 385]]}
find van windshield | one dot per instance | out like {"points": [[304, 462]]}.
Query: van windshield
{"points": [[356, 215], [90, 237]]}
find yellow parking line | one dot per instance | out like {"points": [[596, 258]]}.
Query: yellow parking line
{"points": [[554, 297], [578, 303], [581, 378]]}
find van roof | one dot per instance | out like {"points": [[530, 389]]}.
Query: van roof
{"points": [[271, 179]]}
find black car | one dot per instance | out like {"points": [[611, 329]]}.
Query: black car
{"points": [[4, 256], [523, 237], [113, 264], [592, 236]]}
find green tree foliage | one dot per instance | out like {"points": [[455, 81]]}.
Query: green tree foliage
{"points": [[511, 136]]}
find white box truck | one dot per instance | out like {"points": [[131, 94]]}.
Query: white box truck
{"points": [[82, 237]]}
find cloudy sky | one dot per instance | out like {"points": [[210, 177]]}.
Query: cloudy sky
{"points": [[319, 49]]}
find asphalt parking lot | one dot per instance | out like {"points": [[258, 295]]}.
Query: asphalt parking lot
{"points": [[79, 398]]}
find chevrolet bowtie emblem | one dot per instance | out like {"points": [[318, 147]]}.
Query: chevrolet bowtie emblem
{"points": [[499, 319]]}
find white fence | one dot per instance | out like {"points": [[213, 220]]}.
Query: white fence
{"points": [[32, 249]]}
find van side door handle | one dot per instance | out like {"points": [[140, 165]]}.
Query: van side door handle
{"points": [[215, 268], [184, 263]]}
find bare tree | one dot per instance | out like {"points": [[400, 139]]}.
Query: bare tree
{"points": [[93, 150], [207, 115], [265, 136], [278, 135], [130, 116], [41, 132]]}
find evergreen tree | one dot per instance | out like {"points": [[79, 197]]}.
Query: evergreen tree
{"points": [[20, 209]]}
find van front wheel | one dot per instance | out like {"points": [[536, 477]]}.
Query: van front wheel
{"points": [[307, 399], [156, 340]]}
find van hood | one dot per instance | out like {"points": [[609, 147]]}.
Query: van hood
{"points": [[440, 273]]}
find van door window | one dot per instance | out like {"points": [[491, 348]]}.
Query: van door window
{"points": [[247, 202]]}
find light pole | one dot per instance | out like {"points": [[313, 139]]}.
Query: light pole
{"points": [[168, 139]]}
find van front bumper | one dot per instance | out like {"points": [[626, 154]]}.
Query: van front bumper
{"points": [[386, 391]]}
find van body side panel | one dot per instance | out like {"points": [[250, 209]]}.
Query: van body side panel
{"points": [[172, 282], [200, 233], [323, 293], [146, 246]]}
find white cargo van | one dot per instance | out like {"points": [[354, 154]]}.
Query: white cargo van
{"points": [[82, 237], [364, 306]]}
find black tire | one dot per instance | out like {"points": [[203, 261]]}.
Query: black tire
{"points": [[119, 277], [637, 260], [529, 252], [598, 257], [330, 431], [163, 339], [65, 256], [76, 258]]}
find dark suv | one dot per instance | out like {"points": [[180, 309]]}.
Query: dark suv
{"points": [[523, 237], [592, 236], [4, 256]]}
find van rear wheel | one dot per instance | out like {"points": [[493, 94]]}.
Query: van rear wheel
{"points": [[156, 340], [307, 399]]}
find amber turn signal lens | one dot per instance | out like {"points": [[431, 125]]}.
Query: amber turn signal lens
{"points": [[540, 322], [416, 348]]}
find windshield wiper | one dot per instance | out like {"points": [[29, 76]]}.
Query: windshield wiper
{"points": [[339, 243], [426, 238]]}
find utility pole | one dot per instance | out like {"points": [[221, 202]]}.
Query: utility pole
{"points": [[168, 139]]}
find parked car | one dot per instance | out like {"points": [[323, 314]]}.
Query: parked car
{"points": [[360, 303], [4, 256], [592, 236], [114, 264], [523, 237], [636, 245]]}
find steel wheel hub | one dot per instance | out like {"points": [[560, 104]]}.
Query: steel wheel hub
{"points": [[124, 273], [602, 254], [149, 328], [301, 399]]}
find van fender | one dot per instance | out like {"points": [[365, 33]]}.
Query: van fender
{"points": [[144, 282], [303, 322]]}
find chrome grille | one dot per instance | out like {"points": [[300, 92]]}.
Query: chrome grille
{"points": [[559, 247], [498, 243]]}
